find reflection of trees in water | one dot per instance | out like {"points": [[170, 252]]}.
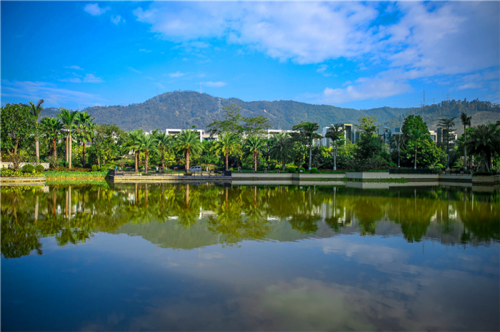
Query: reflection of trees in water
{"points": [[73, 214]]}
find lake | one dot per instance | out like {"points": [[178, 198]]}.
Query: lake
{"points": [[216, 257]]}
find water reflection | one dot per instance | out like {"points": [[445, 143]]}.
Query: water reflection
{"points": [[192, 216]]}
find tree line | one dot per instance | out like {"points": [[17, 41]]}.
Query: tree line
{"points": [[73, 138]]}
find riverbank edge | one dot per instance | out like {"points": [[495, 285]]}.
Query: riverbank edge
{"points": [[22, 181]]}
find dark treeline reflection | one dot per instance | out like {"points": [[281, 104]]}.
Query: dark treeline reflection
{"points": [[190, 216]]}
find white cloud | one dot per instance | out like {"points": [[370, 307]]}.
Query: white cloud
{"points": [[117, 19], [215, 84], [176, 74], [49, 92], [90, 78], [427, 40], [94, 9], [73, 67]]}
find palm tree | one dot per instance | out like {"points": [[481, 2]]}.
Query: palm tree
{"points": [[484, 140], [397, 142], [133, 143], [281, 147], [147, 144], [165, 144], [68, 121], [335, 133], [228, 142], [52, 130], [447, 127], [254, 145], [36, 110], [189, 142], [466, 120], [306, 132], [84, 127]]}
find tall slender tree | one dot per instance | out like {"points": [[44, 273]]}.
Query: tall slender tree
{"points": [[466, 121], [36, 110], [416, 136], [335, 133], [397, 142], [253, 145], [306, 132], [189, 142], [68, 121], [84, 131], [447, 126]]}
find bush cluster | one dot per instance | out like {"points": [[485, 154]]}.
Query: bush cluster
{"points": [[28, 168], [39, 169], [7, 172]]}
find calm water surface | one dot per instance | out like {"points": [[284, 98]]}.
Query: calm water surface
{"points": [[209, 257]]}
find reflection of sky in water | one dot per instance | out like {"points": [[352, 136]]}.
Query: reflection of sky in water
{"points": [[349, 282], [250, 259]]}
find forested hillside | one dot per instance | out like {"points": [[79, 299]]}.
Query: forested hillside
{"points": [[183, 109]]}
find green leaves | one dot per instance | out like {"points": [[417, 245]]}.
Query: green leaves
{"points": [[17, 126]]}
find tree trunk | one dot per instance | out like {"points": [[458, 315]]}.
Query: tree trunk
{"points": [[255, 160], [163, 162], [310, 155], [99, 160], [54, 141], [136, 161], [37, 151], [465, 150], [67, 148], [335, 158], [187, 161], [146, 161], [284, 161], [83, 161], [227, 161], [70, 148], [415, 158], [399, 157]]}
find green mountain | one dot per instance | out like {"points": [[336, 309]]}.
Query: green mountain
{"points": [[183, 109]]}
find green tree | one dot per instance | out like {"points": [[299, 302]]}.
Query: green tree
{"points": [[68, 120], [466, 121], [253, 146], [397, 142], [36, 110], [109, 141], [165, 144], [420, 144], [447, 126], [484, 140], [189, 142], [306, 133], [17, 125], [368, 144], [84, 131], [134, 143], [147, 144], [416, 136], [281, 148], [236, 123], [51, 128], [335, 133], [228, 143]]}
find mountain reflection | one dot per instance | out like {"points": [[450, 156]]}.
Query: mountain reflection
{"points": [[192, 216]]}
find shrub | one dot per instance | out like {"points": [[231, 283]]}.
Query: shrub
{"points": [[28, 168], [94, 168], [314, 170], [291, 169], [103, 168], [39, 169], [302, 169]]}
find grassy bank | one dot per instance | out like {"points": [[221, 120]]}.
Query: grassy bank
{"points": [[66, 175]]}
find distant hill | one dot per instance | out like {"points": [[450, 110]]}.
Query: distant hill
{"points": [[182, 109]]}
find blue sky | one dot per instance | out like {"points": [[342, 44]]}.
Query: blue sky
{"points": [[350, 54]]}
